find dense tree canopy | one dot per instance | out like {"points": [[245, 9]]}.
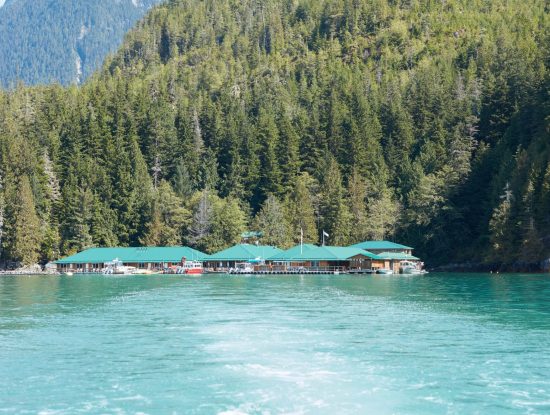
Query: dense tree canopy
{"points": [[425, 122], [61, 40]]}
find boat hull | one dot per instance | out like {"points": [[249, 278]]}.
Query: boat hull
{"points": [[194, 271], [410, 271]]}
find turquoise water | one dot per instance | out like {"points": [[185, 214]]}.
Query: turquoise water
{"points": [[438, 344]]}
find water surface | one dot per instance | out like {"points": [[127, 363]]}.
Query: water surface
{"points": [[437, 344]]}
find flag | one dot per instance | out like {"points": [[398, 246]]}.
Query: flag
{"points": [[324, 234]]}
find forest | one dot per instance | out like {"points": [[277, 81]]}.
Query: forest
{"points": [[421, 121], [61, 41]]}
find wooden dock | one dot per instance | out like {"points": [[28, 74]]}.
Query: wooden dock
{"points": [[301, 272]]}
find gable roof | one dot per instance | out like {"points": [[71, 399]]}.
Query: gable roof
{"points": [[154, 254], [380, 245], [396, 255], [324, 253], [292, 253], [244, 252]]}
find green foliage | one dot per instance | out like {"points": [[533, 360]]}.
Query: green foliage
{"points": [[368, 120], [168, 220], [228, 223], [43, 41], [300, 210], [272, 221], [24, 244]]}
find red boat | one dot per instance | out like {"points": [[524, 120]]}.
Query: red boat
{"points": [[190, 267]]}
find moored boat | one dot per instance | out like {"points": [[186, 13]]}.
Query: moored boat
{"points": [[242, 268], [412, 268], [190, 268], [384, 271], [116, 267], [140, 271]]}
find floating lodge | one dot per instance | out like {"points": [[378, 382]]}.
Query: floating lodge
{"points": [[366, 257]]}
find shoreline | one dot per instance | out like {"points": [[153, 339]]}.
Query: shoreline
{"points": [[514, 268], [443, 270]]}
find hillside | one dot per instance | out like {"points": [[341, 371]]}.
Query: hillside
{"points": [[61, 41], [426, 122]]}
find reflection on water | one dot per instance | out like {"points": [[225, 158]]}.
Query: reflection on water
{"points": [[442, 343]]}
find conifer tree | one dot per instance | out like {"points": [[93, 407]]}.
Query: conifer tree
{"points": [[27, 233], [201, 221], [272, 222], [335, 217], [228, 223], [300, 211], [268, 136], [357, 195]]}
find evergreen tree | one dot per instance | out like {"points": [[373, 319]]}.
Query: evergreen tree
{"points": [[335, 217], [25, 247], [272, 221], [300, 211], [169, 218], [228, 223], [201, 222], [500, 242], [357, 194]]}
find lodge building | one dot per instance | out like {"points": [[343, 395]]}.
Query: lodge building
{"points": [[241, 253], [379, 255], [149, 258]]}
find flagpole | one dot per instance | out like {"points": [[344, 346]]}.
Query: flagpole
{"points": [[301, 241]]}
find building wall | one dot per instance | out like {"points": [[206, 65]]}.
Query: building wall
{"points": [[97, 267]]}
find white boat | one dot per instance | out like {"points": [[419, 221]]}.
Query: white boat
{"points": [[140, 271], [242, 268], [385, 271], [411, 268], [116, 267]]}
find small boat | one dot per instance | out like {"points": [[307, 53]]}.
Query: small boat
{"points": [[68, 273], [411, 268], [384, 271], [190, 268], [242, 268], [116, 267], [140, 271]]}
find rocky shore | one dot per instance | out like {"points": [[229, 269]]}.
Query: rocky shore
{"points": [[29, 270]]}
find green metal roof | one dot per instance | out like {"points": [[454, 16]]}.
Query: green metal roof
{"points": [[292, 253], [396, 255], [142, 254], [325, 253], [379, 245], [244, 252]]}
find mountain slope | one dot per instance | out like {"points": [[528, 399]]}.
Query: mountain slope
{"points": [[426, 122], [63, 41]]}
